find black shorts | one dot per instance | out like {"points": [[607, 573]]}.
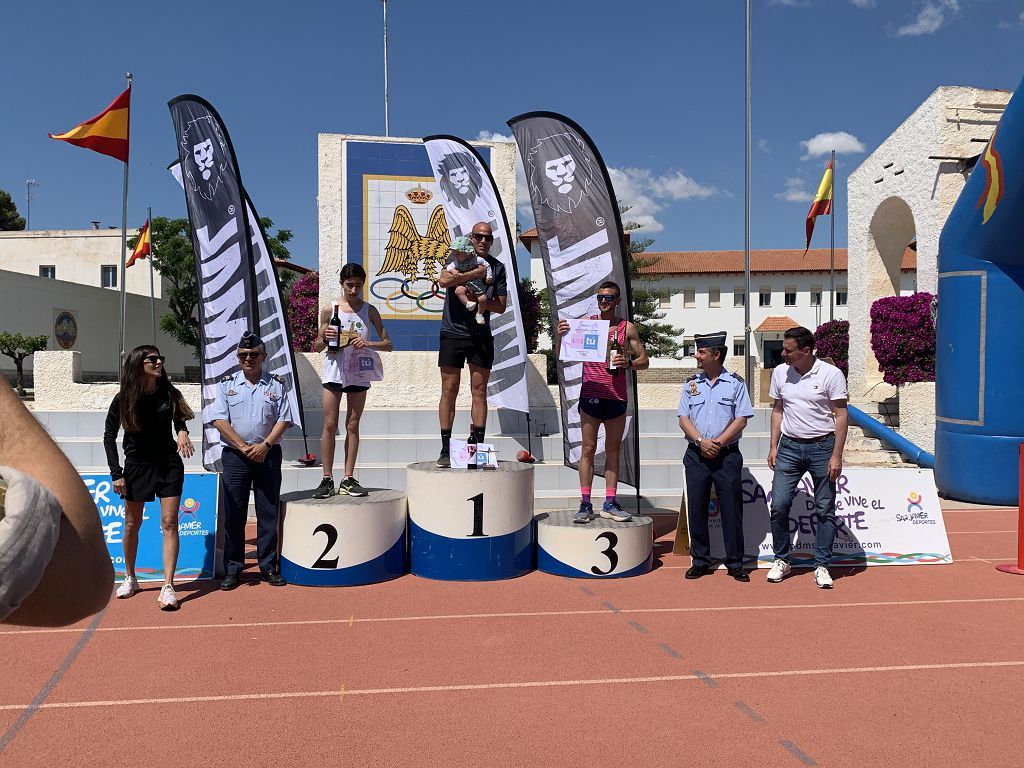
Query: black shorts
{"points": [[336, 387], [143, 482], [455, 353], [602, 408]]}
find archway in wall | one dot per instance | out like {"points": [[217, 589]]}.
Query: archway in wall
{"points": [[890, 232]]}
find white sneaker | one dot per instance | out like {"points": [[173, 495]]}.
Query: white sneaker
{"points": [[127, 588], [480, 320], [822, 577], [778, 571], [470, 305], [167, 600]]}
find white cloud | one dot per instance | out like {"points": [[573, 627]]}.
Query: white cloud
{"points": [[842, 142], [787, 3], [795, 192], [762, 144], [643, 191], [931, 17], [863, 3], [679, 186], [1012, 24]]}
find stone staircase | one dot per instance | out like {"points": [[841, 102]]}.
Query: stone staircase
{"points": [[862, 450]]}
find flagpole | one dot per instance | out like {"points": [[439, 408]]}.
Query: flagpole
{"points": [[124, 235], [387, 127], [152, 290], [832, 249], [747, 344]]}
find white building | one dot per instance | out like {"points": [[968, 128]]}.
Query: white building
{"points": [[82, 256], [703, 292], [64, 284]]}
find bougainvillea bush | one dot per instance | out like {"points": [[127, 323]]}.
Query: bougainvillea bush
{"points": [[903, 338], [303, 311], [832, 339]]}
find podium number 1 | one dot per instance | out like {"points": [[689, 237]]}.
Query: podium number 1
{"points": [[613, 557], [478, 514]]}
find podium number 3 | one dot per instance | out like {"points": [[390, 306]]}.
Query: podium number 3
{"points": [[332, 538], [613, 558]]}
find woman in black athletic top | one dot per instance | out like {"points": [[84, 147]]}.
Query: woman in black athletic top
{"points": [[149, 407]]}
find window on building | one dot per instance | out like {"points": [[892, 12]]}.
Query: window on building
{"points": [[841, 297], [739, 297], [108, 276], [739, 347], [815, 295], [689, 348], [664, 300], [764, 297], [689, 297], [714, 297], [48, 270], [790, 296]]}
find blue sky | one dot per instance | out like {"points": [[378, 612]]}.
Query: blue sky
{"points": [[657, 84]]}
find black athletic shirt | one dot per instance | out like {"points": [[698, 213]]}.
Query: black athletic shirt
{"points": [[457, 322], [154, 444]]}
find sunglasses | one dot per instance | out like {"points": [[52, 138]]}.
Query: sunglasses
{"points": [[486, 238], [249, 355], [607, 297], [154, 359]]}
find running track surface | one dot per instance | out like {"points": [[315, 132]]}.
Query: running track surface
{"points": [[907, 666]]}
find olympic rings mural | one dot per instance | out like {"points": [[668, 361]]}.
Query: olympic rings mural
{"points": [[403, 297]]}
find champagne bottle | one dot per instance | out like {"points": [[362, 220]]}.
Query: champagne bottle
{"points": [[335, 322], [471, 462]]}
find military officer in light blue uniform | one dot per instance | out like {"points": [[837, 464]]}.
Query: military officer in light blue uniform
{"points": [[713, 410], [252, 412]]}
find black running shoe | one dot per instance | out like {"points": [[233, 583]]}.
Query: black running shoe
{"points": [[352, 487], [444, 460], [325, 490]]}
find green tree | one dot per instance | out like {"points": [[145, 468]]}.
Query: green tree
{"points": [[661, 339], [10, 221], [174, 259], [17, 347]]}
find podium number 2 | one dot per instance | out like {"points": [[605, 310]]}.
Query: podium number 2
{"points": [[478, 514], [332, 538], [613, 558]]}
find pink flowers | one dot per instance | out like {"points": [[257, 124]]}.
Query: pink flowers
{"points": [[303, 309], [903, 338]]}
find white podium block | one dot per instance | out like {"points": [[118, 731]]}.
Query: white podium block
{"points": [[343, 540], [470, 524], [600, 549]]}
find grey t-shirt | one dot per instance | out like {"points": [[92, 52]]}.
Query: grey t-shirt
{"points": [[457, 322]]}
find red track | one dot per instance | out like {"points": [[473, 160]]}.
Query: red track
{"points": [[909, 666]]}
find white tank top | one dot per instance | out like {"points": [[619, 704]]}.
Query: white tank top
{"points": [[334, 362]]}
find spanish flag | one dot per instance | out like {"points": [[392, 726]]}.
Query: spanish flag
{"points": [[107, 133], [142, 246], [822, 205]]}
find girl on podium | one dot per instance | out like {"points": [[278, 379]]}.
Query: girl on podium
{"points": [[344, 329], [153, 414]]}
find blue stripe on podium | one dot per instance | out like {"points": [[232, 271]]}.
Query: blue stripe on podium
{"points": [[390, 565], [481, 558], [547, 563]]}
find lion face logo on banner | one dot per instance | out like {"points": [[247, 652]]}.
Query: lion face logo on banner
{"points": [[406, 248], [459, 178], [202, 167], [560, 171]]}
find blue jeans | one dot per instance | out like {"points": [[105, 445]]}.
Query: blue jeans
{"points": [[792, 461]]}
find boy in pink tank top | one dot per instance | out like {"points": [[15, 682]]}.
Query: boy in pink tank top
{"points": [[603, 401]]}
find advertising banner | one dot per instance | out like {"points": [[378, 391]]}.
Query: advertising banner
{"points": [[197, 528], [581, 245], [886, 517]]}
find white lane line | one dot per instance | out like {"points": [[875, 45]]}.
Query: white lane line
{"points": [[505, 686], [980, 560], [524, 614]]}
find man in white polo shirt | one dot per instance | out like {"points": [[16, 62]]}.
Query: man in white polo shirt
{"points": [[809, 422]]}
